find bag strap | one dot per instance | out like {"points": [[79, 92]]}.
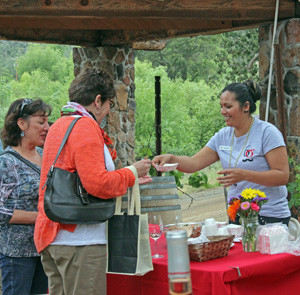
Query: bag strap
{"points": [[65, 138], [134, 201], [28, 163], [49, 175]]}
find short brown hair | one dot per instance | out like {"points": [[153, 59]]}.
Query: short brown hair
{"points": [[88, 84], [11, 133]]}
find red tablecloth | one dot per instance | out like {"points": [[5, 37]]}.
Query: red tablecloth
{"points": [[277, 274]]}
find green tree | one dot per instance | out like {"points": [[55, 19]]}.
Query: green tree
{"points": [[187, 58], [38, 84], [5, 96], [187, 110], [45, 71], [223, 58], [10, 51], [238, 58], [55, 60]]}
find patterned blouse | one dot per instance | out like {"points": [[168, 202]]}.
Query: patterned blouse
{"points": [[19, 187]]}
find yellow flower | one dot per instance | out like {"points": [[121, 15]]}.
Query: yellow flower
{"points": [[260, 194], [249, 193]]}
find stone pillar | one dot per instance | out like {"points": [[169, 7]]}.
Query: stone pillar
{"points": [[119, 64], [289, 40]]}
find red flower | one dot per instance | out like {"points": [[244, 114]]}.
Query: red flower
{"points": [[232, 209]]}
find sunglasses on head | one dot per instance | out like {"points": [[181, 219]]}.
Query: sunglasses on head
{"points": [[25, 102]]}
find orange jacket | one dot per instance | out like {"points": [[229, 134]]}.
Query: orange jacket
{"points": [[84, 152]]}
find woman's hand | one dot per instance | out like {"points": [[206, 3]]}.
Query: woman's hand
{"points": [[276, 176], [142, 167], [145, 179], [24, 217], [162, 159], [231, 176]]}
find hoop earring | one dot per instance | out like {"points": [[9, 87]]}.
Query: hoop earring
{"points": [[22, 134]]}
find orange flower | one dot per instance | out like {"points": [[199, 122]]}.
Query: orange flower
{"points": [[232, 209]]}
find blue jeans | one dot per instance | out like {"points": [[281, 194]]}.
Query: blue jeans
{"points": [[23, 276]]}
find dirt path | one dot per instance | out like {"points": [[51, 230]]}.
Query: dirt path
{"points": [[207, 203]]}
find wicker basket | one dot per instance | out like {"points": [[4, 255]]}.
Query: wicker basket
{"points": [[216, 248]]}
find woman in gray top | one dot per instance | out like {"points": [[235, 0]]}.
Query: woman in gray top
{"points": [[25, 129], [252, 152]]}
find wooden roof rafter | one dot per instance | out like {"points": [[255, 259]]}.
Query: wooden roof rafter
{"points": [[124, 22]]}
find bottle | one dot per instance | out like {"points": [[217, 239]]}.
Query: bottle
{"points": [[178, 263]]}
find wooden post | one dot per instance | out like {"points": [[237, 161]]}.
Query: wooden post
{"points": [[158, 118], [280, 92]]}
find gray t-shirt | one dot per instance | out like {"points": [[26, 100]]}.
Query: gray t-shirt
{"points": [[263, 137]]}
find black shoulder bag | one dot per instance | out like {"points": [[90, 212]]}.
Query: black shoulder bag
{"points": [[66, 200]]}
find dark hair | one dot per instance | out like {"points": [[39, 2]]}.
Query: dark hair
{"points": [[11, 133], [248, 91], [88, 84]]}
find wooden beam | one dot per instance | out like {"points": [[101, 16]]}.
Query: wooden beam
{"points": [[203, 9], [115, 22], [104, 23], [149, 45], [80, 38], [94, 38]]}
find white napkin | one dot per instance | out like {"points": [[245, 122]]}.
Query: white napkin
{"points": [[201, 239]]}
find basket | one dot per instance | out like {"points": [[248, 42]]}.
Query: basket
{"points": [[216, 248]]}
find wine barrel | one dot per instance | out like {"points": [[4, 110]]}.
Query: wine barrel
{"points": [[160, 197]]}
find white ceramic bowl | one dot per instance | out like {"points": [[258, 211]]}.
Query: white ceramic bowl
{"points": [[166, 167]]}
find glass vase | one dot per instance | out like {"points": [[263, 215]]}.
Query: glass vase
{"points": [[249, 238]]}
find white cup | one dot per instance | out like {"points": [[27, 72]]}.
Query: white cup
{"points": [[210, 221], [211, 229], [223, 231]]}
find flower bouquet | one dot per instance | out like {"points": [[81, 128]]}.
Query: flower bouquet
{"points": [[247, 206]]}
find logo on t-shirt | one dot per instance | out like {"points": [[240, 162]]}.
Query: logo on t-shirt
{"points": [[248, 154]]}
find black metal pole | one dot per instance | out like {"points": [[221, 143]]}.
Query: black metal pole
{"points": [[158, 118]]}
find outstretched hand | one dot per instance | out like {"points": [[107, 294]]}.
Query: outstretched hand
{"points": [[161, 159], [231, 176], [142, 167]]}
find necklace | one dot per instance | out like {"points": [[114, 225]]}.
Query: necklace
{"points": [[242, 147]]}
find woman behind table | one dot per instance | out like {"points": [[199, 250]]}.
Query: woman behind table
{"points": [[74, 257], [25, 128], [252, 153]]}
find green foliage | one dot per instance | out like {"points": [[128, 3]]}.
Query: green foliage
{"points": [[39, 84], [238, 48], [198, 179], [223, 58], [294, 189], [44, 71], [10, 51], [187, 109], [187, 58], [50, 59], [178, 176]]}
